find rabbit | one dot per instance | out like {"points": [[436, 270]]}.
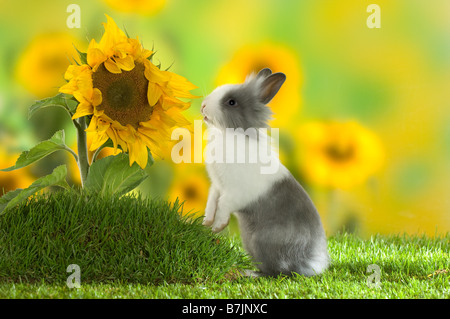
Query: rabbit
{"points": [[279, 225]]}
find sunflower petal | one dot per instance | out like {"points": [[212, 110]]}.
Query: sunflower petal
{"points": [[92, 125], [138, 153], [126, 136], [172, 117], [155, 75], [169, 102], [112, 134], [180, 86], [95, 57], [112, 67], [151, 144], [112, 36], [98, 140], [126, 63], [83, 109], [96, 97], [153, 93]]}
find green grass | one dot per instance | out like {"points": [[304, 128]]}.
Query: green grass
{"points": [[127, 240], [183, 259]]}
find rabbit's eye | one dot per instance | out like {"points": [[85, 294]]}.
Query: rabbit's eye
{"points": [[232, 102]]}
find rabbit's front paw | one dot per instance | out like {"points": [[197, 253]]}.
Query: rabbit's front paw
{"points": [[208, 221], [219, 224]]}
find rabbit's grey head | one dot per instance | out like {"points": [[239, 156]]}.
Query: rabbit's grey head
{"points": [[243, 105]]}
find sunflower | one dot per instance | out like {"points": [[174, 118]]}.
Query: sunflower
{"points": [[41, 65], [16, 179], [128, 99], [279, 58], [339, 154], [190, 185]]}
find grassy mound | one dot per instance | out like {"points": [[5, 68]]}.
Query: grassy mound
{"points": [[128, 240]]}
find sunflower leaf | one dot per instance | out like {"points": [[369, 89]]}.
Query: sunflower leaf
{"points": [[114, 175], [151, 160], [83, 56], [150, 58], [41, 150], [56, 178], [168, 68], [60, 100]]}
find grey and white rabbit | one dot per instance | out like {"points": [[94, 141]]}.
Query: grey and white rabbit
{"points": [[279, 224]]}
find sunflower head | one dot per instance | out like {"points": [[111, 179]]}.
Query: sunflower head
{"points": [[127, 98], [190, 186], [339, 154], [279, 58], [41, 64]]}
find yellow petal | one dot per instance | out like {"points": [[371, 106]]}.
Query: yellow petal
{"points": [[175, 115], [180, 86], [126, 63], [155, 136], [102, 125], [68, 88], [138, 153], [112, 36], [126, 136], [93, 125], [71, 72], [153, 93], [83, 109], [169, 102], [112, 67], [95, 57], [113, 136], [151, 144], [148, 125], [155, 75], [98, 140], [96, 97]]}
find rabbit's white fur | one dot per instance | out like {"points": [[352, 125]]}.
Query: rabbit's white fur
{"points": [[224, 197]]}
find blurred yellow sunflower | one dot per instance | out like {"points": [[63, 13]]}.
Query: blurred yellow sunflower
{"points": [[145, 7], [190, 185], [131, 101], [279, 58], [338, 154], [41, 66], [9, 181]]}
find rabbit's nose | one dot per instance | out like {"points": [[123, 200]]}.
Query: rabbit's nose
{"points": [[203, 106]]}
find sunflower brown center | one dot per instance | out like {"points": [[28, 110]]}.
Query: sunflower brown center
{"points": [[190, 192], [124, 95], [340, 153]]}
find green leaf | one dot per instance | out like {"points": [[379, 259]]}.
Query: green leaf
{"points": [[150, 58], [5, 199], [56, 178], [151, 160], [55, 143], [66, 101], [167, 69], [83, 55], [114, 175]]}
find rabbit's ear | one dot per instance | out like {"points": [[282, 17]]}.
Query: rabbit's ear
{"points": [[270, 86], [264, 73]]}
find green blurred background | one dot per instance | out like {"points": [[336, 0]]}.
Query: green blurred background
{"points": [[364, 115]]}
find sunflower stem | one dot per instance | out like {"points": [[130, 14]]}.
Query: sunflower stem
{"points": [[83, 159]]}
